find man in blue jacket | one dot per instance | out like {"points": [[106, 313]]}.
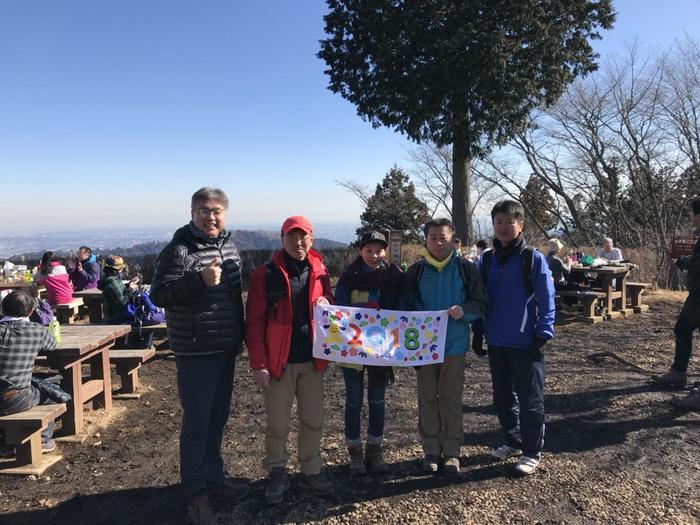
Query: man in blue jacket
{"points": [[518, 324], [444, 281]]}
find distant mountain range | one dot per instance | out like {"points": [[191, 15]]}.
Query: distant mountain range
{"points": [[129, 243]]}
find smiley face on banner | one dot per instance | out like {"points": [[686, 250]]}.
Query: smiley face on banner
{"points": [[379, 337]]}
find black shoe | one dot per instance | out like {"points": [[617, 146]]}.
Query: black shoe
{"points": [[319, 483], [199, 511], [277, 485], [229, 490]]}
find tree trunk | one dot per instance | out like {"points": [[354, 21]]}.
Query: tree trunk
{"points": [[461, 193]]}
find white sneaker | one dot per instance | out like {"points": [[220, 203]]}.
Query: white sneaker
{"points": [[526, 465], [505, 452]]}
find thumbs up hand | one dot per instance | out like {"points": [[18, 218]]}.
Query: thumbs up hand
{"points": [[211, 275]]}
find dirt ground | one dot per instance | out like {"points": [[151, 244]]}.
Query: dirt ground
{"points": [[616, 451]]}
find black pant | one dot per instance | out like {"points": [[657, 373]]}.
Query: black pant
{"points": [[517, 376], [205, 385], [688, 322]]}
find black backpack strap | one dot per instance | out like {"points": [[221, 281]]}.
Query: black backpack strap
{"points": [[527, 257], [526, 261], [465, 270], [486, 258], [413, 277], [275, 287]]}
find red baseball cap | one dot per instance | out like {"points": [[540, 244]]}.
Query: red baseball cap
{"points": [[296, 221]]}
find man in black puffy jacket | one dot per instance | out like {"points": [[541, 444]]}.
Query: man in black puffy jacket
{"points": [[198, 282], [688, 322]]}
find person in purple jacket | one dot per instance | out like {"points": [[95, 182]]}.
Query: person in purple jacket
{"points": [[87, 272]]}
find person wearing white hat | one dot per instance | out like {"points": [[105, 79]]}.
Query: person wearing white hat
{"points": [[559, 268]]}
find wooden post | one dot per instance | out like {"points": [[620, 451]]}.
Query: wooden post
{"points": [[394, 239]]}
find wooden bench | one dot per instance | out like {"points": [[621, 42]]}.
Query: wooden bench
{"points": [[159, 330], [23, 430], [66, 312], [634, 293], [589, 300], [128, 363]]}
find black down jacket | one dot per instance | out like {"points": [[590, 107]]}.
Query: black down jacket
{"points": [[201, 320]]}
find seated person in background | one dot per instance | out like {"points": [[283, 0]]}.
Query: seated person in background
{"points": [[20, 342], [481, 247], [609, 252], [87, 272], [54, 276], [457, 244], [559, 267], [42, 313], [115, 295]]}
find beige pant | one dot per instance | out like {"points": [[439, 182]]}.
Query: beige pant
{"points": [[305, 383], [440, 417]]}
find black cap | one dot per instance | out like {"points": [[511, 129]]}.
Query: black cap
{"points": [[374, 236]]}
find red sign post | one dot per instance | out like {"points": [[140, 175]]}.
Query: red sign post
{"points": [[681, 246]]}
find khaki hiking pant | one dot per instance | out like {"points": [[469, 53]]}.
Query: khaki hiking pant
{"points": [[305, 383], [440, 417]]}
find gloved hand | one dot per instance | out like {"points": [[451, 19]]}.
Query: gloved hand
{"points": [[478, 345], [539, 346]]}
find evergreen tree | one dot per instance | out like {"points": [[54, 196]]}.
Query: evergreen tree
{"points": [[395, 206], [539, 205], [459, 72]]}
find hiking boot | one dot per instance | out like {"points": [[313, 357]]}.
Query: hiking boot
{"points": [[691, 401], [229, 490], [451, 466], [430, 464], [505, 452], [319, 483], [526, 465], [48, 446], [357, 465], [199, 511], [671, 379], [374, 460], [277, 485]]}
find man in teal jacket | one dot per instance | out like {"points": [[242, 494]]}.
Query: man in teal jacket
{"points": [[444, 281]]}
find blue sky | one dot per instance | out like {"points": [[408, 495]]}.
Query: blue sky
{"points": [[112, 113]]}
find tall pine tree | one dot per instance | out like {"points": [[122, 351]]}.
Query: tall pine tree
{"points": [[459, 72]]}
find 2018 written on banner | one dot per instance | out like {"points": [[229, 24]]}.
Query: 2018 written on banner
{"points": [[369, 336]]}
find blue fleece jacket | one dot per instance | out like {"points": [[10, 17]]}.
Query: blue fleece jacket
{"points": [[439, 290], [514, 319]]}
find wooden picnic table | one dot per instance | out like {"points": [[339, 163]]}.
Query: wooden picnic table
{"points": [[85, 344], [612, 282], [93, 300], [22, 285], [17, 285]]}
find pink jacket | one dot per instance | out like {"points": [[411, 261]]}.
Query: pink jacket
{"points": [[58, 286]]}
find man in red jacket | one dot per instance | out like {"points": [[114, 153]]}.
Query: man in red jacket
{"points": [[279, 333]]}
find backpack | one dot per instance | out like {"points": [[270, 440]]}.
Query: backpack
{"points": [[140, 311], [526, 260]]}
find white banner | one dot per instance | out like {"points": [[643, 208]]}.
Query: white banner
{"points": [[368, 336]]}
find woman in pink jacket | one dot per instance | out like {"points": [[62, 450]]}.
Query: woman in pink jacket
{"points": [[54, 276]]}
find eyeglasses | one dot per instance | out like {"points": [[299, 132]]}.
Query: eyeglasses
{"points": [[296, 238], [205, 212]]}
